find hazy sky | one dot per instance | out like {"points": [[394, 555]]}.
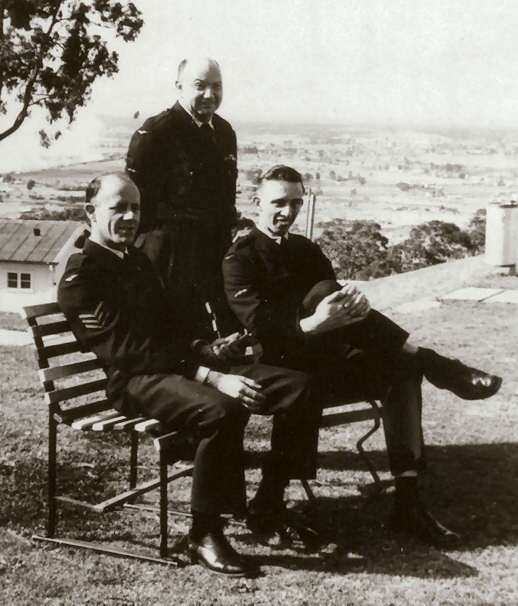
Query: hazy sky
{"points": [[424, 61], [403, 62]]}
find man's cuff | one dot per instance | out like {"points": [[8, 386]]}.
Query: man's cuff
{"points": [[201, 374]]}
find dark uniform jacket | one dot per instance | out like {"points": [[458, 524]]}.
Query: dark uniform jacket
{"points": [[181, 173], [116, 308], [266, 283], [186, 175]]}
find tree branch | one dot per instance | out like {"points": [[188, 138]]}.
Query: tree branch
{"points": [[29, 88]]}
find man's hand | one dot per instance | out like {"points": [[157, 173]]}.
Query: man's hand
{"points": [[345, 306], [246, 390], [230, 349]]}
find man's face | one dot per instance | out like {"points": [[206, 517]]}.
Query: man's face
{"points": [[115, 212], [279, 205], [200, 88]]}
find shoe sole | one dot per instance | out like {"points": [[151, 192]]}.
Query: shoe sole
{"points": [[244, 573]]}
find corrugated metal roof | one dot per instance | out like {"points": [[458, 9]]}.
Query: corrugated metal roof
{"points": [[19, 240]]}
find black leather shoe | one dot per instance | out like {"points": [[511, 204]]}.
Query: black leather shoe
{"points": [[282, 526], [215, 553], [413, 519], [465, 382]]}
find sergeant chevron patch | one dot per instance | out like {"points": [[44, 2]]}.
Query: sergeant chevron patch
{"points": [[98, 319]]}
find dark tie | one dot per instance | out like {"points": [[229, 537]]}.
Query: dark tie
{"points": [[285, 254], [207, 134]]}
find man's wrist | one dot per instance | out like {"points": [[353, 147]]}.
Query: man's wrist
{"points": [[201, 375], [212, 378]]}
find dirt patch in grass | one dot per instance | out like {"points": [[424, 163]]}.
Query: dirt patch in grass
{"points": [[12, 321]]}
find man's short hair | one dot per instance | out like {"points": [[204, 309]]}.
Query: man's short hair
{"points": [[181, 67], [92, 189], [281, 172]]}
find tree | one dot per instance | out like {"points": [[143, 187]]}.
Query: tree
{"points": [[52, 51], [477, 231], [352, 246]]}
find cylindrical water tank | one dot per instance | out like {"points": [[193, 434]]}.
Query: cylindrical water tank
{"points": [[502, 234]]}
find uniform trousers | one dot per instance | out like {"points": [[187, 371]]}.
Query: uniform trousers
{"points": [[369, 369], [358, 375], [218, 422]]}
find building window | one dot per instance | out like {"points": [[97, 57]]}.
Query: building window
{"points": [[12, 280], [15, 280], [25, 280]]}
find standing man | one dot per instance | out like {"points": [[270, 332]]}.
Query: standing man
{"points": [[116, 308], [184, 164], [283, 290]]}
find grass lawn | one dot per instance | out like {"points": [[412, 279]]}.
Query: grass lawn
{"points": [[471, 484]]}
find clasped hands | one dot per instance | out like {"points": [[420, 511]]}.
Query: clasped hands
{"points": [[342, 307]]}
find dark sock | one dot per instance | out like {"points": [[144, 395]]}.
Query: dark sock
{"points": [[406, 490], [270, 494], [203, 523]]}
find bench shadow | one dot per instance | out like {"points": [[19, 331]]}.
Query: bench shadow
{"points": [[472, 488]]}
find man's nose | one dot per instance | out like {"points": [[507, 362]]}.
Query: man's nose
{"points": [[129, 214], [208, 92]]}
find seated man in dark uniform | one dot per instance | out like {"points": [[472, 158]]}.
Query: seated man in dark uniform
{"points": [[283, 290], [117, 308]]}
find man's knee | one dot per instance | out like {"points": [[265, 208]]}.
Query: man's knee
{"points": [[316, 294], [219, 411]]}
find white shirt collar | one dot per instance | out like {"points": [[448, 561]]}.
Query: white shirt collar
{"points": [[277, 239], [195, 120], [115, 251]]}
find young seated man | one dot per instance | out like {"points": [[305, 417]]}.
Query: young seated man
{"points": [[117, 308], [283, 290]]}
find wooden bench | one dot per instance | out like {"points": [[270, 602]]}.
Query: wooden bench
{"points": [[74, 383]]}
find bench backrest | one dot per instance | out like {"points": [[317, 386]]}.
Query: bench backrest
{"points": [[70, 378]]}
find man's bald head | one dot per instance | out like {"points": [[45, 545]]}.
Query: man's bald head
{"points": [[196, 63], [199, 86]]}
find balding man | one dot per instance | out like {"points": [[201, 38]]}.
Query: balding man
{"points": [[184, 164]]}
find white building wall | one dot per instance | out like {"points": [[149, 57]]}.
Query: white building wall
{"points": [[44, 279], [43, 287]]}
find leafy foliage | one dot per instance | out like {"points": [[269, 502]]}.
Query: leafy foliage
{"points": [[52, 51], [359, 250], [352, 246]]}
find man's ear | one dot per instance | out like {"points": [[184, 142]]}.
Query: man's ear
{"points": [[90, 212], [256, 200], [178, 85]]}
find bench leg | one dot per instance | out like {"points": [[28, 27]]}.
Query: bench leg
{"points": [[359, 445], [134, 439], [163, 505], [51, 477], [308, 490]]}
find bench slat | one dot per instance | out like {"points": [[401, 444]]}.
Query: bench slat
{"points": [[44, 309], [108, 422], [58, 395], [67, 417], [353, 416], [52, 328], [87, 422], [128, 423], [68, 370], [146, 425], [52, 351]]}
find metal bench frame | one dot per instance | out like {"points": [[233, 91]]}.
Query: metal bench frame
{"points": [[101, 417]]}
